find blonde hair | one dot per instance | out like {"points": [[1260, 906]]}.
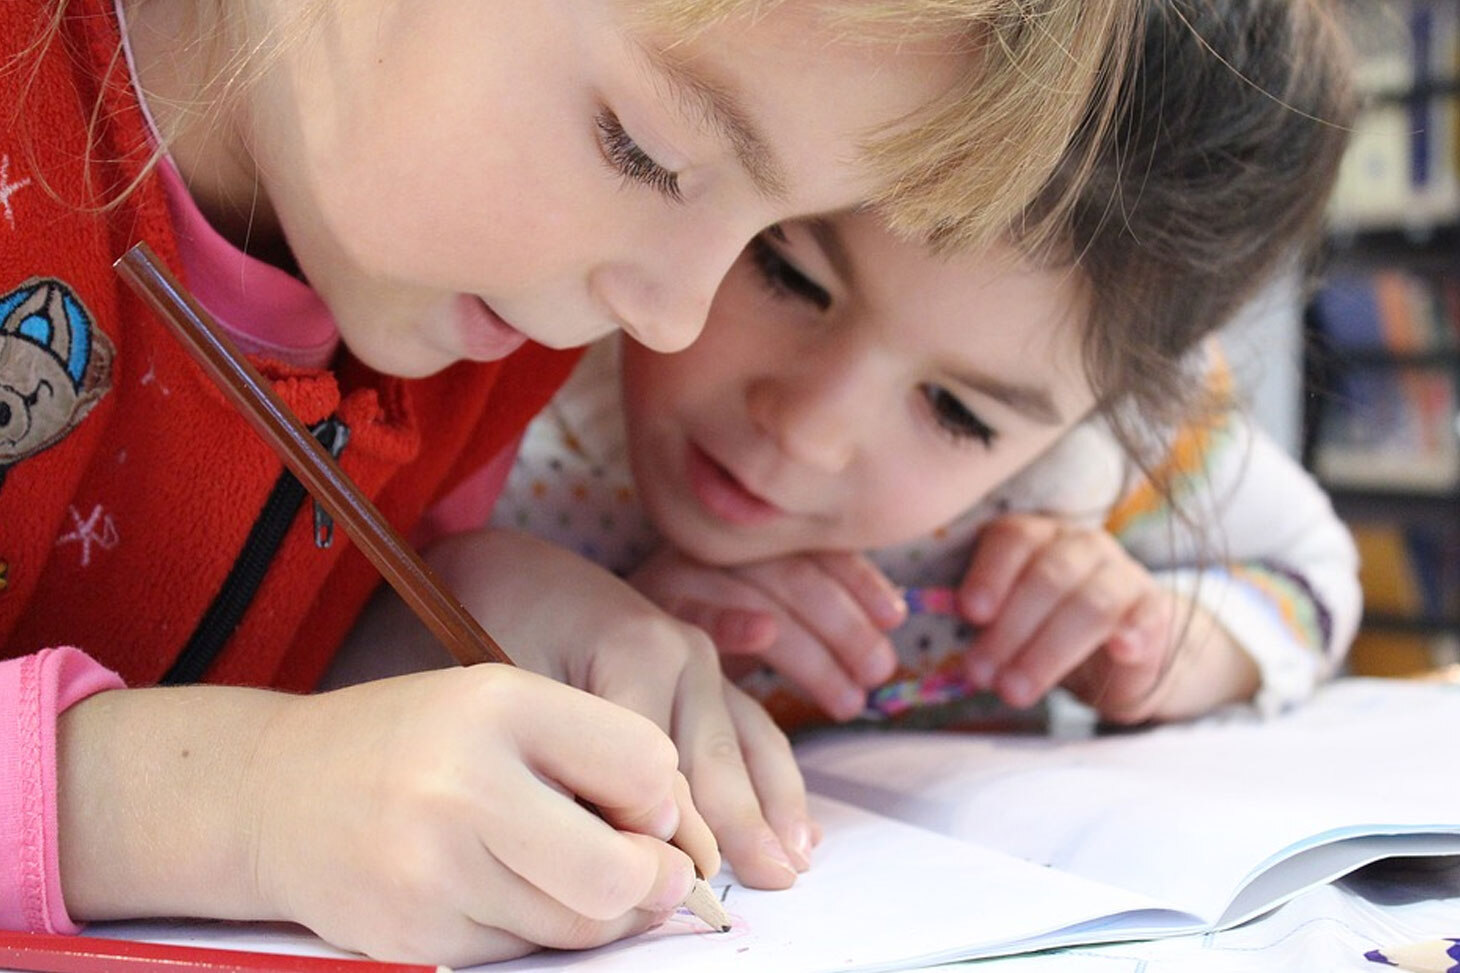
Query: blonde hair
{"points": [[962, 172]]}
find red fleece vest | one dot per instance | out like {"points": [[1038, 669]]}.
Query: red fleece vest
{"points": [[129, 484]]}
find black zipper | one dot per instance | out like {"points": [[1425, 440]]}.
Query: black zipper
{"points": [[221, 619]]}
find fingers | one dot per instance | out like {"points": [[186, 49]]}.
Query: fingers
{"points": [[736, 631], [1003, 550], [867, 585], [805, 661], [713, 755], [442, 822], [818, 619], [624, 766], [1139, 656], [775, 776], [1060, 596], [508, 901], [844, 604]]}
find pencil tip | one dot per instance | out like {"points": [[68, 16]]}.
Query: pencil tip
{"points": [[702, 902]]}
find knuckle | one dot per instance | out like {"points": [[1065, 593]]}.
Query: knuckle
{"points": [[1103, 601], [699, 647], [723, 747], [1052, 574], [656, 638]]}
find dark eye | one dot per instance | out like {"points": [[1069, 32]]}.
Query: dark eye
{"points": [[632, 162], [782, 277], [955, 418]]}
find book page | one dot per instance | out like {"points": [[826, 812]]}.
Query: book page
{"points": [[1328, 928], [968, 846], [883, 895], [1184, 815]]}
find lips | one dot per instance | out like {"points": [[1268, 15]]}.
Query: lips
{"points": [[724, 496], [484, 336]]}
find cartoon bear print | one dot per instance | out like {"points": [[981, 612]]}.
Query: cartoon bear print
{"points": [[55, 365]]}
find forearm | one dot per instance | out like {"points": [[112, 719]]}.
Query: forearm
{"points": [[158, 802]]}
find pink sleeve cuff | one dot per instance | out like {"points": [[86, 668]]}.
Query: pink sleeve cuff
{"points": [[34, 691]]}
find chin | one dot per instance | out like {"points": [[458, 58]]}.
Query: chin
{"points": [[391, 361], [722, 548]]}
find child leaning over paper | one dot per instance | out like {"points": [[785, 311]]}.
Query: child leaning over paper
{"points": [[984, 421], [407, 213]]}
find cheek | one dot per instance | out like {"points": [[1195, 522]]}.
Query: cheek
{"points": [[447, 224], [915, 494]]}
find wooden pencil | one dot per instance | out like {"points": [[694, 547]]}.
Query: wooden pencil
{"points": [[89, 954], [1434, 956], [277, 424]]}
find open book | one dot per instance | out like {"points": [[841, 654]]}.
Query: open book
{"points": [[947, 846]]}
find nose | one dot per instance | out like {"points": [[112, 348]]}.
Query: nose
{"points": [[818, 409], [661, 296]]}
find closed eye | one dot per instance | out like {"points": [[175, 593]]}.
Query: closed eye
{"points": [[633, 163], [783, 278], [955, 418]]}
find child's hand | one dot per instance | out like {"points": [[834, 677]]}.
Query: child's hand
{"points": [[1066, 605], [561, 615], [817, 619], [428, 817]]}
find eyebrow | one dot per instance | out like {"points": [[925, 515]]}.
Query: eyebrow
{"points": [[719, 105], [1031, 401]]}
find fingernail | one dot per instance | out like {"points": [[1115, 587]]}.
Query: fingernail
{"points": [[771, 848], [879, 664], [664, 822], [1015, 689], [977, 606], [850, 703], [891, 609], [800, 847]]}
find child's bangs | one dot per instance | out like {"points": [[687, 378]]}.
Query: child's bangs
{"points": [[964, 171]]}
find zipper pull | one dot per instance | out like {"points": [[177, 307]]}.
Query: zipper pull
{"points": [[332, 435]]}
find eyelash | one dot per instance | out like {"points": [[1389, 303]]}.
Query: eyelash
{"points": [[782, 277], [632, 162], [784, 280], [957, 419]]}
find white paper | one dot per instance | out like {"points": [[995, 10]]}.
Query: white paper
{"points": [[943, 846]]}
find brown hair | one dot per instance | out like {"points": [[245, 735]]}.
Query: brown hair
{"points": [[1231, 125]]}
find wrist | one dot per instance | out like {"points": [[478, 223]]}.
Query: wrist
{"points": [[1209, 669], [159, 802]]}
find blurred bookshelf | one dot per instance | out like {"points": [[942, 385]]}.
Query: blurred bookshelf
{"points": [[1381, 426]]}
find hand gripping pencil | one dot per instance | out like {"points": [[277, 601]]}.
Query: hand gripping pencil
{"points": [[411, 577]]}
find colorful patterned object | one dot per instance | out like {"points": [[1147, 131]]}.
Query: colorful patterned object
{"points": [[945, 684], [931, 601], [895, 698]]}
